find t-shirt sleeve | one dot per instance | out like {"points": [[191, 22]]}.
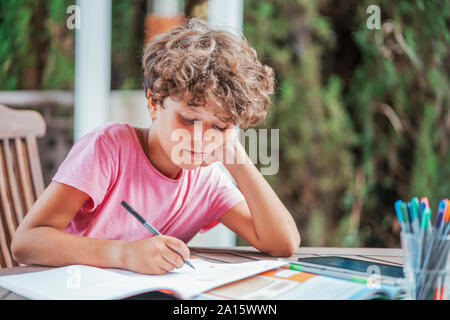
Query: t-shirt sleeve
{"points": [[89, 167], [226, 196]]}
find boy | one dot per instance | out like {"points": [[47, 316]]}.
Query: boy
{"points": [[199, 83]]}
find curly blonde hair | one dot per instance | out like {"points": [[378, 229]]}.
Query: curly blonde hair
{"points": [[211, 67]]}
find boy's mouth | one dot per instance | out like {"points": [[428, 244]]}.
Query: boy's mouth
{"points": [[195, 154]]}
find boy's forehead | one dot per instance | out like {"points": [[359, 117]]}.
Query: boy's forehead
{"points": [[210, 108], [213, 111]]}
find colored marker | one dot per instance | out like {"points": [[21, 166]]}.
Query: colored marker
{"points": [[447, 219], [423, 234], [424, 203], [440, 218], [416, 209], [442, 222], [297, 267], [398, 211], [406, 217], [413, 218], [435, 252]]}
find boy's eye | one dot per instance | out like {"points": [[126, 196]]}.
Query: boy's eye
{"points": [[191, 121], [219, 128], [186, 120]]}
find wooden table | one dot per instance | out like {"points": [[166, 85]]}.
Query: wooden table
{"points": [[244, 254]]}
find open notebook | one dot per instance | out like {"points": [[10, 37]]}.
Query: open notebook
{"points": [[86, 282]]}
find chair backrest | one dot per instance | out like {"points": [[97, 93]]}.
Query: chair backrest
{"points": [[21, 181]]}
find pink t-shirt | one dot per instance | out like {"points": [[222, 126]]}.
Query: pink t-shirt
{"points": [[109, 165]]}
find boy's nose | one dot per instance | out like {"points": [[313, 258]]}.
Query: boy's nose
{"points": [[199, 131], [198, 135], [203, 136]]}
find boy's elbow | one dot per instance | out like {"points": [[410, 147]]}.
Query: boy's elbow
{"points": [[287, 248], [291, 247], [15, 248], [18, 248], [292, 244]]}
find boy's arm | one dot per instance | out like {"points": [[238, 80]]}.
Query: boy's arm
{"points": [[262, 220], [39, 239]]}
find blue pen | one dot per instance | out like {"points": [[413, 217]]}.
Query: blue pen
{"points": [[423, 232], [423, 206], [416, 209], [409, 208], [447, 219], [443, 246], [405, 217], [441, 223], [148, 226], [440, 216], [432, 232], [413, 218], [438, 225], [416, 213], [398, 211], [424, 203]]}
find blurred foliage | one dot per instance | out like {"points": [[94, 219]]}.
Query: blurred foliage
{"points": [[36, 47], [363, 114], [127, 39]]}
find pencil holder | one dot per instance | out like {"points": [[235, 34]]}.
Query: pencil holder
{"points": [[426, 265]]}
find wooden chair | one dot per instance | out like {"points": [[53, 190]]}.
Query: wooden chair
{"points": [[21, 181]]}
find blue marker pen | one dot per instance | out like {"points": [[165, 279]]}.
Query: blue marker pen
{"points": [[416, 208], [406, 217], [398, 211]]}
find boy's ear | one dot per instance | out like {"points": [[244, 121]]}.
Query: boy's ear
{"points": [[152, 104], [149, 98]]}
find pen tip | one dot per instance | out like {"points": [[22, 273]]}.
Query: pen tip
{"points": [[189, 264]]}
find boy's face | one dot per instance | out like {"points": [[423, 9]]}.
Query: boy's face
{"points": [[190, 134]]}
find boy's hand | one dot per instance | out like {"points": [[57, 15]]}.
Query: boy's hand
{"points": [[155, 255], [229, 151]]}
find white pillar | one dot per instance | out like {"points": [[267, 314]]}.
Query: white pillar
{"points": [[92, 65], [167, 8], [227, 15]]}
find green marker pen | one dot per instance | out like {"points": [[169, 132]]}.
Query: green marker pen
{"points": [[328, 273]]}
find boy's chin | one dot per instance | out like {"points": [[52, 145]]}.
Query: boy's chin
{"points": [[192, 165]]}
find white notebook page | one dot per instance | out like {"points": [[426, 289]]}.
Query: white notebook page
{"points": [[85, 282]]}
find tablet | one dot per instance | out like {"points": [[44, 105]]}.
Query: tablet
{"points": [[353, 265]]}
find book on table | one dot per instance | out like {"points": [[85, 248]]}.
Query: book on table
{"points": [[87, 282], [256, 280], [284, 283]]}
